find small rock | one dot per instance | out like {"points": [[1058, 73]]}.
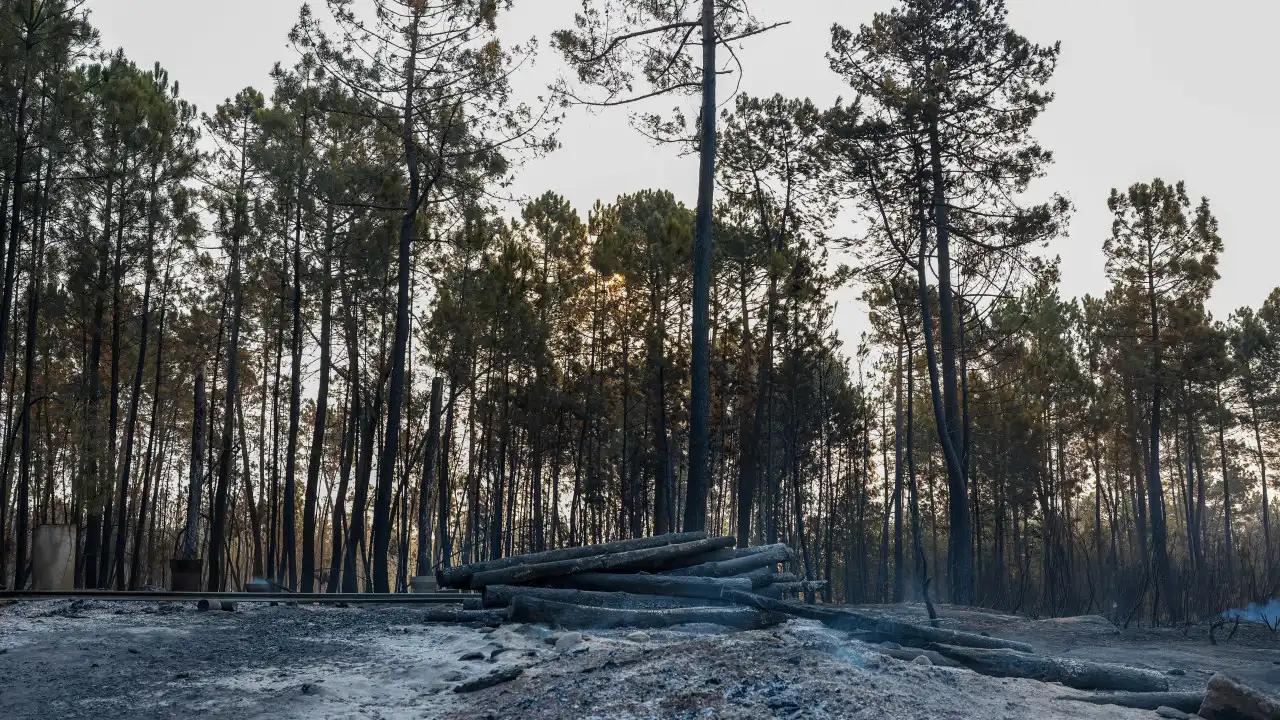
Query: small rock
{"points": [[568, 641], [890, 645], [1165, 711], [638, 637], [452, 675], [309, 689], [437, 686], [984, 633], [486, 630], [922, 660], [471, 655], [1177, 672], [494, 652], [133, 651]]}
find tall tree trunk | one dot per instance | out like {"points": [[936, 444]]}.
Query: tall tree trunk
{"points": [[1262, 467], [195, 474], [1226, 495], [291, 442], [443, 541], [664, 477], [131, 423], [500, 467], [322, 409], [251, 504], [695, 510], [11, 254], [217, 532], [113, 423], [395, 395], [135, 570], [429, 464], [899, 565], [959, 536], [1155, 491], [346, 449], [93, 550], [24, 473]]}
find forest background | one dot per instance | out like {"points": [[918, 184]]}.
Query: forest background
{"points": [[1062, 405]]}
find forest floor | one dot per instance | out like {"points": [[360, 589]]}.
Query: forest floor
{"points": [[80, 659]]}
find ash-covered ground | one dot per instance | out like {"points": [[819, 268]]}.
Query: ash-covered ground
{"points": [[76, 659]]}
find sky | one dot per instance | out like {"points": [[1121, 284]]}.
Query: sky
{"points": [[1176, 89]]}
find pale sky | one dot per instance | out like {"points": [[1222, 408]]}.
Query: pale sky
{"points": [[1178, 89]]}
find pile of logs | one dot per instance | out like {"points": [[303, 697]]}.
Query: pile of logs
{"points": [[651, 582], [669, 580]]}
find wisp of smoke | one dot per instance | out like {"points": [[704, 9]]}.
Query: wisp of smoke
{"points": [[1269, 613], [856, 659]]}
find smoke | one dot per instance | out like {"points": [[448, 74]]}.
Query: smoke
{"points": [[1268, 614], [852, 657]]}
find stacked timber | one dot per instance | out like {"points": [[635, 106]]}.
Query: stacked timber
{"points": [[651, 582]]}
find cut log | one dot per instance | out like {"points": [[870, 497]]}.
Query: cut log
{"points": [[489, 618], [760, 577], [530, 610], [460, 577], [720, 555], [642, 584], [780, 589], [1078, 674], [654, 558], [1226, 698], [1187, 702], [501, 596], [851, 621], [765, 556]]}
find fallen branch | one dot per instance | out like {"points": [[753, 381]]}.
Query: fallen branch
{"points": [[501, 596], [1187, 702], [634, 560], [850, 621], [529, 610], [460, 577], [1079, 674]]}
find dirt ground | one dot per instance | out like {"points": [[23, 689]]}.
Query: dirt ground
{"points": [[75, 659]]}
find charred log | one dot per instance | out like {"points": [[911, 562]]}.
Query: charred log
{"points": [[528, 609], [655, 558]]}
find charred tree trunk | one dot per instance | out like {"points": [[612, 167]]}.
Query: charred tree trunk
{"points": [[321, 417]]}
